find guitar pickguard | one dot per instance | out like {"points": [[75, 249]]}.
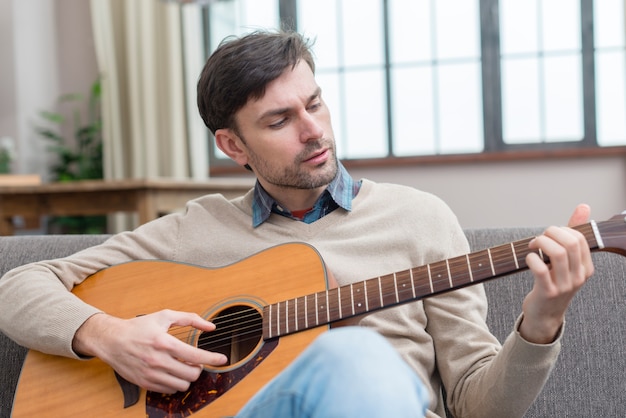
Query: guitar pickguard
{"points": [[209, 387]]}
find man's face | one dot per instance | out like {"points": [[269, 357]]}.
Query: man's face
{"points": [[286, 136]]}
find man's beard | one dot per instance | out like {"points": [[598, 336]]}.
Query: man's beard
{"points": [[293, 177]]}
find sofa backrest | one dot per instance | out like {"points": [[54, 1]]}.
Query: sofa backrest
{"points": [[588, 379]]}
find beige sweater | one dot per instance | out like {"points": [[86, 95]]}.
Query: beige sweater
{"points": [[390, 228]]}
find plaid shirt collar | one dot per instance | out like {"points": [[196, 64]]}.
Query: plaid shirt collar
{"points": [[339, 193]]}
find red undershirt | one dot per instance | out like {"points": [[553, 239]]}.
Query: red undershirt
{"points": [[300, 213]]}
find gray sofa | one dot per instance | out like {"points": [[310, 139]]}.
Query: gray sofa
{"points": [[589, 379]]}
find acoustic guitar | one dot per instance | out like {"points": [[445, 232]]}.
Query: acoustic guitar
{"points": [[266, 315]]}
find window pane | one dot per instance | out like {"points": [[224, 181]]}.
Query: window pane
{"points": [[410, 31], [237, 17], [560, 25], [610, 98], [363, 34], [460, 108], [436, 80], [520, 101], [609, 23], [610, 72], [366, 125], [563, 98], [317, 19], [457, 29], [413, 117], [541, 71], [518, 26]]}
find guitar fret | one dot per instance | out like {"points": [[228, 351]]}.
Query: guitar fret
{"points": [[295, 314], [380, 292], [352, 297], [287, 317], [339, 300], [412, 282], [596, 234], [306, 312], [395, 285], [317, 316], [514, 256], [469, 268], [327, 307], [430, 279], [493, 270], [367, 307], [449, 274], [270, 320]]}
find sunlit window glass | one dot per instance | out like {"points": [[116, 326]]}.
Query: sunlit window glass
{"points": [[236, 17], [435, 77], [610, 71], [541, 70]]}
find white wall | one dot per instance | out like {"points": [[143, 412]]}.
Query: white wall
{"points": [[47, 49], [519, 193]]}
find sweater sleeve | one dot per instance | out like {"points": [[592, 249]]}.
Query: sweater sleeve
{"points": [[483, 378], [38, 310]]}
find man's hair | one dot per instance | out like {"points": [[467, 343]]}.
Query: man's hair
{"points": [[241, 68]]}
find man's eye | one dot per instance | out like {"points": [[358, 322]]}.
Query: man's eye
{"points": [[315, 106], [278, 124]]}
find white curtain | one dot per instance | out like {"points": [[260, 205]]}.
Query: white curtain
{"points": [[139, 47], [151, 126]]}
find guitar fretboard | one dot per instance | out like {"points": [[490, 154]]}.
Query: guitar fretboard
{"points": [[332, 305]]}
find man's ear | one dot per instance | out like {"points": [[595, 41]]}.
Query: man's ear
{"points": [[231, 145]]}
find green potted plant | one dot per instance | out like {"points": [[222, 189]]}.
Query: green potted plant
{"points": [[79, 158], [6, 154]]}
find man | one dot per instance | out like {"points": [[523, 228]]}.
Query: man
{"points": [[259, 97]]}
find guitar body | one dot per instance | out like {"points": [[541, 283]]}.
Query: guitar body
{"points": [[89, 388]]}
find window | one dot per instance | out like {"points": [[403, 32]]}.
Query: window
{"points": [[541, 71], [457, 77]]}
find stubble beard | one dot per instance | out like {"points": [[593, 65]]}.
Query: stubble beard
{"points": [[294, 177]]}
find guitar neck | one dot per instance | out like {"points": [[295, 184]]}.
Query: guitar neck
{"points": [[326, 307]]}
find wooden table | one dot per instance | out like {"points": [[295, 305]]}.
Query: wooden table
{"points": [[148, 198]]}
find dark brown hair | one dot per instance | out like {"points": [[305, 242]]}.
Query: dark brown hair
{"points": [[241, 68]]}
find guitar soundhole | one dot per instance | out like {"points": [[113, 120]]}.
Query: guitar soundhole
{"points": [[238, 332]]}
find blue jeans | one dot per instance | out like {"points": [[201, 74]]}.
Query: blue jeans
{"points": [[346, 372]]}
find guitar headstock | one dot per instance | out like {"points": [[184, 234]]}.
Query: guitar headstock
{"points": [[612, 234]]}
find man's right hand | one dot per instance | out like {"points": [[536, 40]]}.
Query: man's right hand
{"points": [[143, 352]]}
